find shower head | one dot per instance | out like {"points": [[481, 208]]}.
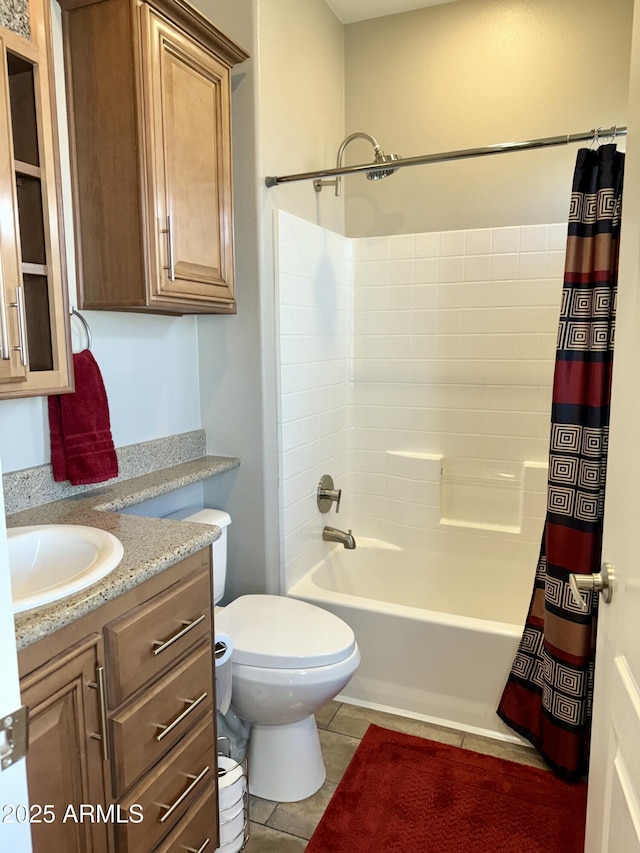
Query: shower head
{"points": [[379, 174], [373, 175]]}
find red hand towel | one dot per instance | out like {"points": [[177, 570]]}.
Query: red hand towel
{"points": [[82, 449]]}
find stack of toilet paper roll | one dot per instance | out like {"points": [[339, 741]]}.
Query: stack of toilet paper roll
{"points": [[223, 651], [232, 783], [232, 780]]}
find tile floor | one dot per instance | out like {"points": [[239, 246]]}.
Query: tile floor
{"points": [[286, 827]]}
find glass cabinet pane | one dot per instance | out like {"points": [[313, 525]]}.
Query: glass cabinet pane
{"points": [[23, 110], [36, 299], [31, 219]]}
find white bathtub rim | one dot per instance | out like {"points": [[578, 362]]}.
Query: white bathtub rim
{"points": [[306, 589]]}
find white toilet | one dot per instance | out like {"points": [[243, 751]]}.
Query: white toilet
{"points": [[289, 658]]}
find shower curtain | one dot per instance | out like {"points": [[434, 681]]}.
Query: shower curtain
{"points": [[549, 692]]}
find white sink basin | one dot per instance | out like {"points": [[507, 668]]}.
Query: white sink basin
{"points": [[51, 561]]}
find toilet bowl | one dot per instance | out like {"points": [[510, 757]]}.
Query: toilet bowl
{"points": [[289, 658]]}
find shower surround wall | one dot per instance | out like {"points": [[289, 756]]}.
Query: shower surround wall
{"points": [[417, 370], [314, 274]]}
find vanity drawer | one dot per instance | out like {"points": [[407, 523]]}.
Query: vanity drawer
{"points": [[144, 729], [169, 790], [197, 830], [149, 638]]}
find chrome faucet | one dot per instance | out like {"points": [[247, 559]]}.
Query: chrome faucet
{"points": [[332, 534]]}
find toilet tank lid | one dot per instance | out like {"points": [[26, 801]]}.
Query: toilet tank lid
{"points": [[284, 633], [203, 515]]}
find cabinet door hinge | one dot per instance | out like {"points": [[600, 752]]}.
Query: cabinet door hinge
{"points": [[14, 737]]}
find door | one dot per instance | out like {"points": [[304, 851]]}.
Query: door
{"points": [[188, 99], [613, 813], [15, 835]]}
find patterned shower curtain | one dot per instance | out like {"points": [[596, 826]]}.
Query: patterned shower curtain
{"points": [[549, 692]]}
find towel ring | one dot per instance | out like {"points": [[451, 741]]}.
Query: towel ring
{"points": [[87, 328]]}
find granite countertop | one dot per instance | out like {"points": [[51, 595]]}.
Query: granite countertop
{"points": [[150, 544]]}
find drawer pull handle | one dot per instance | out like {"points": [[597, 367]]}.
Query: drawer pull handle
{"points": [[196, 779], [192, 705], [200, 849], [188, 626], [100, 685]]}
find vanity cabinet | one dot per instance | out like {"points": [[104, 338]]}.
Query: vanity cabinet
{"points": [[150, 126], [124, 718], [35, 351], [65, 758]]}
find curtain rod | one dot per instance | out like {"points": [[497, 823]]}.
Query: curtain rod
{"points": [[595, 135]]}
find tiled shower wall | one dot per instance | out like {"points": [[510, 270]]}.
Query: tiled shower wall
{"points": [[313, 327], [417, 370], [453, 351]]}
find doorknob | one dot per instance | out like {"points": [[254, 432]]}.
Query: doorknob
{"points": [[599, 582]]}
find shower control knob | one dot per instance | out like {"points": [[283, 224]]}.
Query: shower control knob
{"points": [[327, 494]]}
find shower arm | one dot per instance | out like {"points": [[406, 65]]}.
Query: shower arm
{"points": [[337, 181], [593, 135]]}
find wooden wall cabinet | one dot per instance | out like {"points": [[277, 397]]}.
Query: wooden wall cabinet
{"points": [[150, 124], [35, 354], [141, 739]]}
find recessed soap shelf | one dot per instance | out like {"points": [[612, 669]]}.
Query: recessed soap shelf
{"points": [[482, 494]]}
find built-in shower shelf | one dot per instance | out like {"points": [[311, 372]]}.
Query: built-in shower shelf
{"points": [[413, 454], [479, 525], [482, 494]]}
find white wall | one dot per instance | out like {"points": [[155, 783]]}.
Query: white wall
{"points": [[476, 73], [281, 121], [299, 126]]}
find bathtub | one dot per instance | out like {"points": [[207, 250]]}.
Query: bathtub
{"points": [[437, 632]]}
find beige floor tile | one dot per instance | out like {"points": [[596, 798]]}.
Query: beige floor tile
{"points": [[260, 810], [501, 749], [354, 720], [302, 818], [325, 714], [337, 751], [266, 840]]}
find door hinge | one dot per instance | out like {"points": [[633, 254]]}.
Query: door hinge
{"points": [[14, 736]]}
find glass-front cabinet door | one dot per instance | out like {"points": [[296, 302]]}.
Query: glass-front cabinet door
{"points": [[34, 323]]}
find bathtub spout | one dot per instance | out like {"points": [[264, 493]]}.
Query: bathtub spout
{"points": [[332, 534]]}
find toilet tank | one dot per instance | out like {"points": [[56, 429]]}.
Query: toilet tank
{"points": [[222, 520]]}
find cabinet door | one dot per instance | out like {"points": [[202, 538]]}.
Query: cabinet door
{"points": [[189, 159], [64, 760], [35, 321]]}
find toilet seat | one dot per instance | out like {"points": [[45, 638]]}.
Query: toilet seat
{"points": [[284, 633]]}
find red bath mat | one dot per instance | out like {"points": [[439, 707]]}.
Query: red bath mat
{"points": [[405, 794]]}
